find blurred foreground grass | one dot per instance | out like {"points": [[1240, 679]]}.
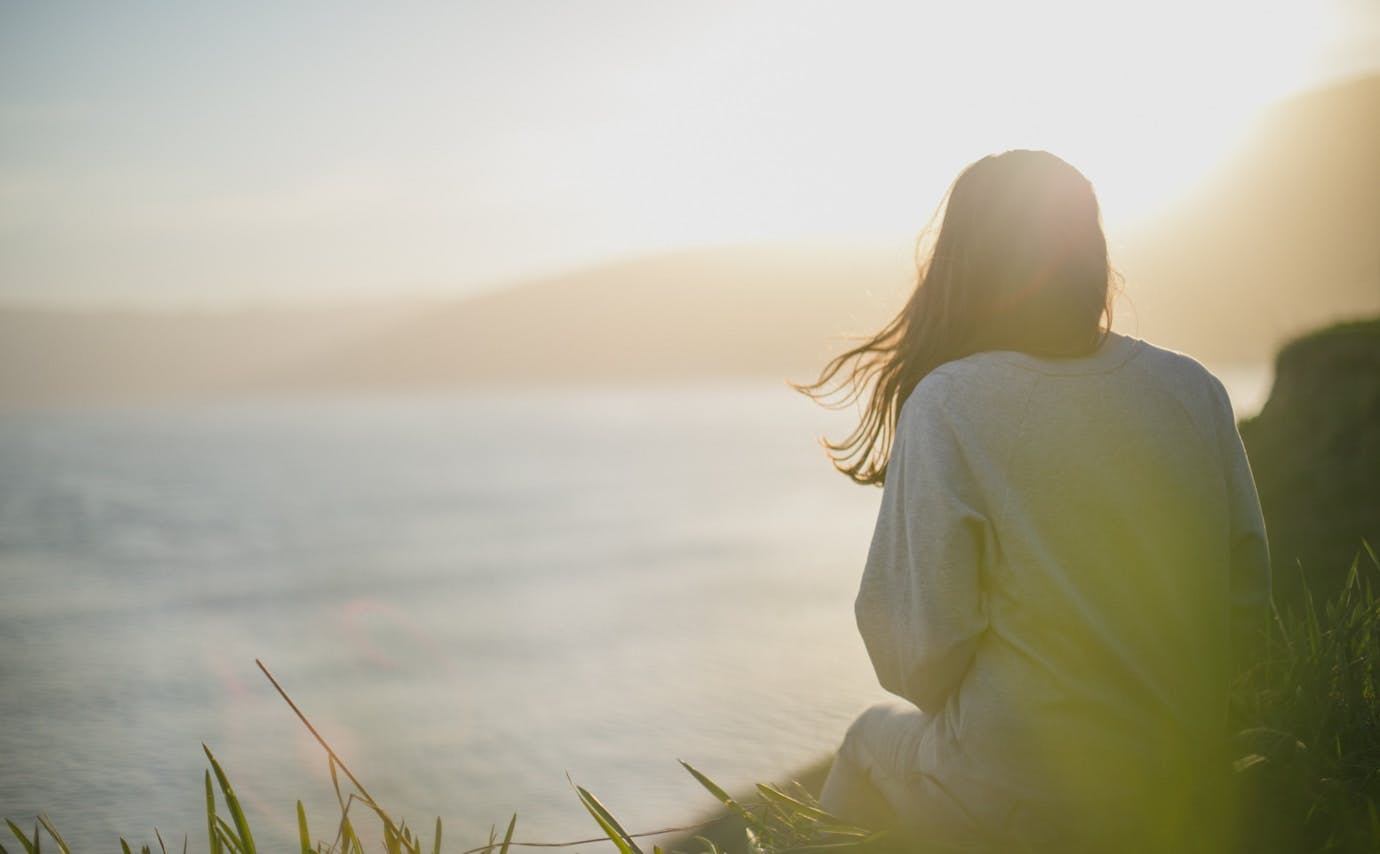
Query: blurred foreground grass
{"points": [[1305, 770]]}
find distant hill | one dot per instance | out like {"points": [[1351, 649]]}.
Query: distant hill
{"points": [[53, 357], [771, 311], [1284, 238]]}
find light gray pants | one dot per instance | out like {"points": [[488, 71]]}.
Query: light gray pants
{"points": [[873, 781], [878, 781]]}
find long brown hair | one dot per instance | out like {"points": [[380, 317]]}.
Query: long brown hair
{"points": [[1019, 262]]}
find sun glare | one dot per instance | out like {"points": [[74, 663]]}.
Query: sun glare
{"points": [[1146, 102], [856, 128], [1179, 113], [634, 132]]}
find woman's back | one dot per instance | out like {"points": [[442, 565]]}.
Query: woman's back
{"points": [[1069, 550], [1061, 536]]}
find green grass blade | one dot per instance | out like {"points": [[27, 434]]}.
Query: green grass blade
{"points": [[211, 816], [436, 847], [346, 835], [3, 849], [246, 838], [228, 836], [844, 830], [793, 805], [23, 839], [124, 846], [507, 837], [335, 783], [53, 832], [161, 847], [303, 835], [615, 832], [851, 845], [722, 796]]}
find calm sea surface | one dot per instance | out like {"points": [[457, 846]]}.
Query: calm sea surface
{"points": [[470, 595]]}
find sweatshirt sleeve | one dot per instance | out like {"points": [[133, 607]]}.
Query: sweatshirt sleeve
{"points": [[919, 607], [1250, 553]]}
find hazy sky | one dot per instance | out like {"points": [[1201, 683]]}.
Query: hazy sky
{"points": [[211, 152]]}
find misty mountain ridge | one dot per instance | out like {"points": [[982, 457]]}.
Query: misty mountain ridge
{"points": [[1283, 238]]}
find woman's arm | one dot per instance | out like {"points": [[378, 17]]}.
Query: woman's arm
{"points": [[1250, 552], [919, 607]]}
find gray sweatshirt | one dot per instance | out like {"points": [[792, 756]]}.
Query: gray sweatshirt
{"points": [[1066, 554]]}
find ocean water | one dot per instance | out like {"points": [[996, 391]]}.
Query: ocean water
{"points": [[472, 596]]}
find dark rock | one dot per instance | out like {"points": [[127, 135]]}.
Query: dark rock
{"points": [[1315, 453]]}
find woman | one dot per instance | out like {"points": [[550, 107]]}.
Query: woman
{"points": [[1069, 550]]}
